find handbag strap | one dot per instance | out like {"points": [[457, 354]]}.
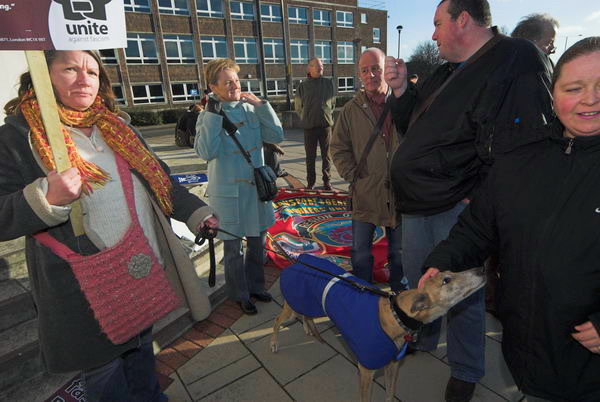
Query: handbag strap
{"points": [[367, 150], [482, 50], [245, 153]]}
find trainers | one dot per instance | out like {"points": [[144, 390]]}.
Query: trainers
{"points": [[459, 390]]}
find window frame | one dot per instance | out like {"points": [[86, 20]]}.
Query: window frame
{"points": [[363, 20], [275, 44], [245, 41], [344, 23], [298, 45], [141, 37], [345, 45], [270, 17], [377, 39], [209, 12], [173, 10], [108, 60], [214, 42], [296, 19], [148, 95], [320, 21], [277, 91], [346, 87], [321, 44], [132, 6], [187, 96], [245, 86], [242, 14], [120, 101], [178, 40]]}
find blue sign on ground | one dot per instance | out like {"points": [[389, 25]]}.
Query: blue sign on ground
{"points": [[190, 178]]}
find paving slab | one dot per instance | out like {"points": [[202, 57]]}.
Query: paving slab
{"points": [[297, 354], [335, 380], [497, 375], [266, 314], [176, 391], [493, 327], [256, 386], [223, 378], [222, 352]]}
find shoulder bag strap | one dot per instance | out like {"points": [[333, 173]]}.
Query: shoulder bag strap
{"points": [[425, 105], [245, 153], [374, 134]]}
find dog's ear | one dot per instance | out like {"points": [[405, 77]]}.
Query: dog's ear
{"points": [[421, 302]]}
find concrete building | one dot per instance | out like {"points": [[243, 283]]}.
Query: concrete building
{"points": [[170, 40]]}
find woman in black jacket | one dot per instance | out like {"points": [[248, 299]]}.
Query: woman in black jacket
{"points": [[540, 211]]}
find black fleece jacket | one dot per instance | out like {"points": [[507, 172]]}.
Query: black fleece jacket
{"points": [[539, 210]]}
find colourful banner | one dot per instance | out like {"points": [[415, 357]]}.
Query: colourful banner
{"points": [[62, 24], [319, 223]]}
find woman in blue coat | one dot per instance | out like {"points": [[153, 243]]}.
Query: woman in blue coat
{"points": [[231, 190]]}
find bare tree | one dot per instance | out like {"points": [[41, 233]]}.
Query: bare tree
{"points": [[424, 60]]}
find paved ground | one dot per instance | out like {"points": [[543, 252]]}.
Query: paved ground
{"points": [[227, 356]]}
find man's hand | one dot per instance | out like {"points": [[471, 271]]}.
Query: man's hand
{"points": [[588, 337], [63, 188], [395, 75], [251, 99], [430, 273]]}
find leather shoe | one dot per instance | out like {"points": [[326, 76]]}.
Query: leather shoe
{"points": [[247, 307], [264, 297], [327, 186], [459, 390]]}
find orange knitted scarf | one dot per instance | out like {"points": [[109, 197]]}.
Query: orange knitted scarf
{"points": [[117, 135]]}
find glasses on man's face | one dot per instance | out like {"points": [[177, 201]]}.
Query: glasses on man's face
{"points": [[371, 70]]}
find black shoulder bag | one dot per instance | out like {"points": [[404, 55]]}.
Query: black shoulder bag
{"points": [[264, 177], [363, 157]]}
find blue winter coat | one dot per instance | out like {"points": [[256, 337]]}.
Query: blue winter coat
{"points": [[354, 312], [230, 190]]}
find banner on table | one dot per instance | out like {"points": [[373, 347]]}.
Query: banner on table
{"points": [[319, 223], [62, 24]]}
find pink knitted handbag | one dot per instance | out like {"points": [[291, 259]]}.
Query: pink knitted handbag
{"points": [[125, 284]]}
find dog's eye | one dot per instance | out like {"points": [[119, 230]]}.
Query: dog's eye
{"points": [[446, 280]]}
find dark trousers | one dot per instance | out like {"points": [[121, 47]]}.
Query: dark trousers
{"points": [[312, 137], [129, 378]]}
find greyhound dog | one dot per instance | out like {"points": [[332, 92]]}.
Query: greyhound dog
{"points": [[376, 328]]}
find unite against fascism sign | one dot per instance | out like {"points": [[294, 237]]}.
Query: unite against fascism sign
{"points": [[62, 24]]}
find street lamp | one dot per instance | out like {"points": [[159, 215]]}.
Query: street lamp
{"points": [[567, 39], [399, 28]]}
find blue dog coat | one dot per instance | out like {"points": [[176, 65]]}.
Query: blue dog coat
{"points": [[354, 312]]}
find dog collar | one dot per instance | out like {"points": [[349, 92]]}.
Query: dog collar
{"points": [[410, 325]]}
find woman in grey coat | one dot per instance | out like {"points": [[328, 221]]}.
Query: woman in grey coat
{"points": [[231, 188]]}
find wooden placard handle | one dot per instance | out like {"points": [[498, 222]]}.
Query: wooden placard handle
{"points": [[45, 97]]}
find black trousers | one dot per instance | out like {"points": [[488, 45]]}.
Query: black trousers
{"points": [[313, 137]]}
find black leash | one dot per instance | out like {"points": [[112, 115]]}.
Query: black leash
{"points": [[209, 234]]}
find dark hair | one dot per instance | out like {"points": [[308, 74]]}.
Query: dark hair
{"points": [[479, 10], [25, 84], [534, 27], [581, 48]]}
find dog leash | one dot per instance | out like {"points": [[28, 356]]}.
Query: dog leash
{"points": [[208, 234]]}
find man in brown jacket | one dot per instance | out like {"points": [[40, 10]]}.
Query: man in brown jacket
{"points": [[372, 197]]}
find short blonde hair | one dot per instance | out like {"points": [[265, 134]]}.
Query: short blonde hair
{"points": [[214, 67]]}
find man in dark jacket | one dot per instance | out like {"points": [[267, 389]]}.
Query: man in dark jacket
{"points": [[314, 102], [452, 128]]}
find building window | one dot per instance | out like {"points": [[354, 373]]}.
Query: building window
{"points": [[322, 17], [276, 87], [138, 6], [178, 7], [245, 50], [345, 53], [185, 92], [345, 84], [363, 18], [119, 96], [179, 49], [376, 35], [344, 19], [270, 12], [297, 15], [241, 10], [210, 8], [362, 49], [213, 47], [323, 51], [147, 93], [141, 49], [251, 86], [299, 51], [109, 56], [273, 49]]}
